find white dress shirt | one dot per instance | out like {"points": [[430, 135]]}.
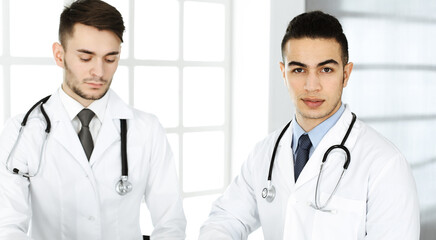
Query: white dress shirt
{"points": [[73, 108]]}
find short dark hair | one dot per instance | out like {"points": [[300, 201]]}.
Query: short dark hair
{"points": [[94, 13], [316, 24]]}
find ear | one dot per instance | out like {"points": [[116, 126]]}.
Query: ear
{"points": [[347, 72], [283, 69], [58, 54]]}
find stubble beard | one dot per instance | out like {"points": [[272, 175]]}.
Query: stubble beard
{"points": [[78, 91]]}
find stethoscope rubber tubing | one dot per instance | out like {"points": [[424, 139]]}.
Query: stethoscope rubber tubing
{"points": [[271, 165], [124, 167], [47, 119]]}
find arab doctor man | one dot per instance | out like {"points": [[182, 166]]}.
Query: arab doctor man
{"points": [[375, 197]]}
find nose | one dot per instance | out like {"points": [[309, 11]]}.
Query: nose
{"points": [[313, 83], [97, 69]]}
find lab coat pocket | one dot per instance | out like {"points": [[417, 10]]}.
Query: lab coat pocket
{"points": [[345, 220]]}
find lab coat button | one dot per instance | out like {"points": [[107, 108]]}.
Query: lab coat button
{"points": [[91, 218]]}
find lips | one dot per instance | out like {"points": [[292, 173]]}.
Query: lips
{"points": [[95, 84], [312, 102]]}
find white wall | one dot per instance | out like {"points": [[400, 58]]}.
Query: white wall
{"points": [[280, 105]]}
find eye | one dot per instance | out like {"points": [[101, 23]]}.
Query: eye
{"points": [[108, 60], [298, 70], [85, 59], [327, 70]]}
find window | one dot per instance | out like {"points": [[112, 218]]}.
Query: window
{"points": [[178, 69]]}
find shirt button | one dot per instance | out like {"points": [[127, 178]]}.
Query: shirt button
{"points": [[91, 218]]}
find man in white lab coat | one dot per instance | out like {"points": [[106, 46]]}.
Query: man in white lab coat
{"points": [[376, 196], [64, 186]]}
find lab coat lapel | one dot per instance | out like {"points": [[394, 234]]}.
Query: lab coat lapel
{"points": [[63, 131], [284, 161], [333, 137], [110, 129]]}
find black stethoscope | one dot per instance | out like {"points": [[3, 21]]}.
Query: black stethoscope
{"points": [[122, 187], [269, 192]]}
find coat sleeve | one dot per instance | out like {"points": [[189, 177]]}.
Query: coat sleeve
{"points": [[14, 190], [162, 194], [234, 215], [392, 204]]}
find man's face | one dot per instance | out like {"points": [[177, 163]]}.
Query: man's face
{"points": [[90, 59], [315, 76]]}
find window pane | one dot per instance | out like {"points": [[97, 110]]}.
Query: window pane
{"points": [[391, 93], [1, 27], [413, 9], [123, 8], [3, 101], [411, 138], [425, 178], [203, 96], [120, 83], [29, 84], [197, 210], [157, 91], [370, 48], [173, 139], [204, 34], [157, 29], [33, 33], [203, 161]]}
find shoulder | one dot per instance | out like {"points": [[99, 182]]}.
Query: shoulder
{"points": [[136, 117], [378, 153], [372, 141], [265, 146]]}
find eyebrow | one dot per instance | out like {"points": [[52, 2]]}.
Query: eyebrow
{"points": [[93, 53], [330, 61]]}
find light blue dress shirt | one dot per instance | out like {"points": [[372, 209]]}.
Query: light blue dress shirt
{"points": [[317, 133]]}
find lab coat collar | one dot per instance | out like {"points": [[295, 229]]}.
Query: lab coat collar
{"points": [[116, 108], [63, 132], [284, 162], [110, 129], [333, 136]]}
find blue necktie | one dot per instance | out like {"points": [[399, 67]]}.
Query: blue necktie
{"points": [[302, 154], [85, 116]]}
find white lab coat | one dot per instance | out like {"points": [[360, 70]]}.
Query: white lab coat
{"points": [[376, 198], [72, 198]]}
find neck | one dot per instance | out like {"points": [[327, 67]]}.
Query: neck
{"points": [[307, 123]]}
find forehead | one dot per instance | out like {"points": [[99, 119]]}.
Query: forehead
{"points": [[312, 50], [92, 39]]}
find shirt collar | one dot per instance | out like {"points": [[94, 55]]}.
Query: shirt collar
{"points": [[317, 133], [73, 107]]}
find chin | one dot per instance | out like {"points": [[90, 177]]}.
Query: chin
{"points": [[314, 114]]}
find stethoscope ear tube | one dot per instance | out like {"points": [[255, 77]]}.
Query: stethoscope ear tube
{"points": [[273, 157], [124, 166], [44, 100], [347, 160]]}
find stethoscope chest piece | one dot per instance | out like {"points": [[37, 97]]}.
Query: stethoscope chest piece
{"points": [[123, 186], [269, 193]]}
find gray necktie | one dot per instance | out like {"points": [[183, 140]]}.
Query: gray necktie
{"points": [[85, 137], [302, 154]]}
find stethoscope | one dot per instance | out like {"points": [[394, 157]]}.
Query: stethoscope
{"points": [[269, 192], [122, 187]]}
